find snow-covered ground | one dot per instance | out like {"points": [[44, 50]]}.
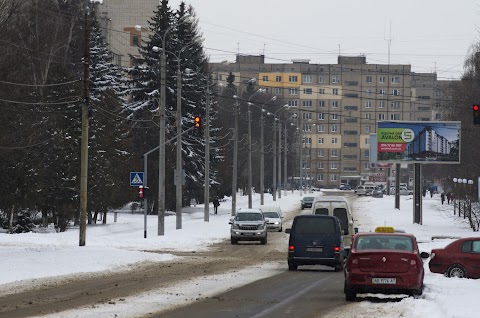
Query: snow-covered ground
{"points": [[116, 245]]}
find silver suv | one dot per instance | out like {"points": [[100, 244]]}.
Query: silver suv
{"points": [[248, 225]]}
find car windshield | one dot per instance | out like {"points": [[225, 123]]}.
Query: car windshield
{"points": [[271, 215], [249, 217], [384, 242], [308, 199]]}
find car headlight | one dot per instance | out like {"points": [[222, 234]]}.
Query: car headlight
{"points": [[235, 226], [276, 223], [261, 227]]}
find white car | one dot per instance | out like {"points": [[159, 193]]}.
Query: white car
{"points": [[403, 191], [273, 216]]}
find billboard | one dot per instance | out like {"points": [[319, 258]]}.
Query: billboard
{"points": [[436, 142]]}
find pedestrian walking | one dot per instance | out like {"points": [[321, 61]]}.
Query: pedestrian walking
{"points": [[449, 197], [216, 204], [442, 197]]}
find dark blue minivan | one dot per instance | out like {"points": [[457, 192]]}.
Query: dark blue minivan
{"points": [[315, 240]]}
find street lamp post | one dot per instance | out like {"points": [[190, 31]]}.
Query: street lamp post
{"points": [[285, 154], [262, 152]]}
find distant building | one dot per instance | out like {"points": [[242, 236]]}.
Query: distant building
{"points": [[339, 106]]}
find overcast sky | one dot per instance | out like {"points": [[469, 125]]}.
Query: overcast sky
{"points": [[428, 34]]}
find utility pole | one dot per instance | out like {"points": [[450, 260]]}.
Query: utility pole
{"points": [[235, 153], [274, 186], [262, 161], [84, 143], [285, 160], [161, 149], [249, 157], [300, 149], [179, 176], [280, 159], [206, 198]]}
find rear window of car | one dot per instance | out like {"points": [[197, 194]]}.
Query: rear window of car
{"points": [[341, 214], [315, 226], [384, 242], [321, 211], [249, 217]]}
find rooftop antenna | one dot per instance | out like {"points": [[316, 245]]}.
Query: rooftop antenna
{"points": [[264, 45], [389, 40], [339, 49]]}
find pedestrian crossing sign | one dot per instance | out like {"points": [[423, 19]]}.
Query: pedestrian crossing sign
{"points": [[136, 179]]}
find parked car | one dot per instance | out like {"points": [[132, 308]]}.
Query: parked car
{"points": [[377, 193], [248, 225], [315, 240], [273, 217], [345, 187], [306, 202], [364, 190], [461, 258], [385, 262]]}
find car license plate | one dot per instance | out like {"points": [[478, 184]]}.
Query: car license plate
{"points": [[384, 280], [248, 234], [314, 249]]}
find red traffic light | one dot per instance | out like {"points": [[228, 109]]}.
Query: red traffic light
{"points": [[476, 108], [140, 191]]}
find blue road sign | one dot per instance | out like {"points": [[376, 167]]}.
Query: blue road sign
{"points": [[136, 179]]}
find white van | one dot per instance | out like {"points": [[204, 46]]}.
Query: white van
{"points": [[337, 206], [365, 189]]}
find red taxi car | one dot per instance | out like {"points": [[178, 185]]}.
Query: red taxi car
{"points": [[461, 258], [384, 262]]}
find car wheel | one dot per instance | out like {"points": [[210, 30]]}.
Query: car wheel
{"points": [[349, 294], [281, 229], [456, 271], [264, 241], [292, 266], [338, 267], [233, 241]]}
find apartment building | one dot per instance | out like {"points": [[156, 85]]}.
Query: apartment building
{"points": [[339, 106], [118, 19]]}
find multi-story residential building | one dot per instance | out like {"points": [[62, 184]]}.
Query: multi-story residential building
{"points": [[343, 101], [118, 19]]}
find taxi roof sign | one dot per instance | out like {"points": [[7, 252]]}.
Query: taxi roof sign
{"points": [[384, 229]]}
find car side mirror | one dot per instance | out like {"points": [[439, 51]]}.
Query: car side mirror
{"points": [[424, 255], [231, 221], [287, 230], [356, 230]]}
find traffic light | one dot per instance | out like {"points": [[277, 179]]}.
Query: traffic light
{"points": [[140, 192], [198, 122], [476, 114]]}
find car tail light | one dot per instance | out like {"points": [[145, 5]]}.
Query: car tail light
{"points": [[291, 248], [337, 249]]}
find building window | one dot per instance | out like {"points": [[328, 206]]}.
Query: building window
{"points": [[381, 79], [334, 140], [366, 154], [320, 165], [367, 129], [334, 116], [369, 92], [381, 104], [368, 79], [438, 116], [395, 104], [320, 177], [320, 128], [292, 103], [278, 91], [292, 91], [307, 78], [335, 91], [307, 115], [306, 165], [333, 165], [307, 128], [394, 116], [278, 78], [321, 91], [321, 79], [395, 92], [368, 116], [293, 79], [321, 116], [381, 116], [333, 177], [334, 128], [367, 141], [321, 103], [321, 153], [265, 78], [366, 165], [320, 140], [368, 104], [307, 91], [334, 103], [335, 79], [334, 153], [395, 79], [381, 91], [307, 103], [307, 140]]}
